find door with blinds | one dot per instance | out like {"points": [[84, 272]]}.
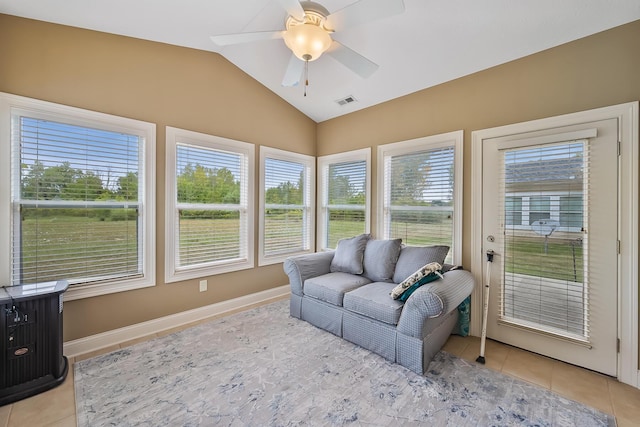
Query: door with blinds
{"points": [[550, 209]]}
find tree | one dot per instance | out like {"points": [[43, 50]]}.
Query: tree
{"points": [[409, 179], [128, 186], [197, 184]]}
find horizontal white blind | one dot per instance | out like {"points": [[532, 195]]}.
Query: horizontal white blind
{"points": [[345, 200], [287, 198], [419, 198], [544, 198], [211, 187], [76, 193]]}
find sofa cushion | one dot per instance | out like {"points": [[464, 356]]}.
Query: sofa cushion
{"points": [[414, 257], [349, 255], [380, 258], [331, 287], [373, 301]]}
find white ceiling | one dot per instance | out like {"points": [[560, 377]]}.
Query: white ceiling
{"points": [[432, 42]]}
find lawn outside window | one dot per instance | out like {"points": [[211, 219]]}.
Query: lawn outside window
{"points": [[81, 193], [209, 205]]}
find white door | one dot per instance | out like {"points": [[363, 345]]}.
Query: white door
{"points": [[550, 214]]}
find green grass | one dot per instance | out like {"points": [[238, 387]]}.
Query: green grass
{"points": [[526, 255]]}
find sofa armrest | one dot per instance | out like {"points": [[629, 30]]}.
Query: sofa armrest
{"points": [[433, 300], [302, 267]]}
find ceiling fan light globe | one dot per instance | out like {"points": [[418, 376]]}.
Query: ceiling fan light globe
{"points": [[307, 41]]}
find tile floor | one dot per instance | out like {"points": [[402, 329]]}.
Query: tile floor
{"points": [[56, 408]]}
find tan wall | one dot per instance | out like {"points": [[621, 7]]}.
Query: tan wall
{"points": [[168, 86]]}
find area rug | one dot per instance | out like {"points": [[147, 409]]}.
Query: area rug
{"points": [[264, 368]]}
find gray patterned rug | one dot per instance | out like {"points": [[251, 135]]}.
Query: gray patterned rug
{"points": [[263, 368]]}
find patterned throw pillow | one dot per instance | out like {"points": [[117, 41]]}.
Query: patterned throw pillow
{"points": [[433, 268]]}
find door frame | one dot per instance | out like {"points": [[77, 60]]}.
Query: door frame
{"points": [[627, 116]]}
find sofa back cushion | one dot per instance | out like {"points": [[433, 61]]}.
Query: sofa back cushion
{"points": [[349, 254], [412, 258], [380, 258]]}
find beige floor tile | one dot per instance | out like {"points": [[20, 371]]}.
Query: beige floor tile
{"points": [[456, 345], [624, 422], [91, 354], [45, 408], [65, 422], [625, 400], [495, 353], [4, 415], [582, 386], [529, 367]]}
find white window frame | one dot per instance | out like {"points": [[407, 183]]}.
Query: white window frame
{"points": [[324, 162], [175, 137], [308, 205], [453, 139], [11, 105]]}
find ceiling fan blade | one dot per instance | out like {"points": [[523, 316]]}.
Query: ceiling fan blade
{"points": [[352, 60], [363, 11], [293, 8], [239, 38], [293, 73]]}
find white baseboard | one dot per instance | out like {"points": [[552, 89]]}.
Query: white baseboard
{"points": [[106, 339]]}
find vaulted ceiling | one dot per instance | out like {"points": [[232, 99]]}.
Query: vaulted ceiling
{"points": [[431, 42]]}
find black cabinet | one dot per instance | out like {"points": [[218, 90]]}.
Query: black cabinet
{"points": [[31, 359]]}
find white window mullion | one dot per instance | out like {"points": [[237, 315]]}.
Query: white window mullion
{"points": [[287, 182]]}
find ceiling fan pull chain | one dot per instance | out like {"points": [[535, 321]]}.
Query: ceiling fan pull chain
{"points": [[306, 73]]}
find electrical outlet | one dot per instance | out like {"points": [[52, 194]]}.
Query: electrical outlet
{"points": [[203, 285]]}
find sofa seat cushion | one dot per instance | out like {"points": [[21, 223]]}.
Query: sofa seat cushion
{"points": [[332, 287], [373, 301]]}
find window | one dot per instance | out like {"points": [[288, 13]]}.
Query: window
{"points": [[344, 196], [420, 192], [286, 203], [81, 192], [209, 224]]}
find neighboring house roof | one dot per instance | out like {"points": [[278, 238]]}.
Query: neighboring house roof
{"points": [[545, 175]]}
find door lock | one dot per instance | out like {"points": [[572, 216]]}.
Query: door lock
{"points": [[491, 239]]}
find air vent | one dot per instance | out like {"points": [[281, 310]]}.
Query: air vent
{"points": [[347, 100]]}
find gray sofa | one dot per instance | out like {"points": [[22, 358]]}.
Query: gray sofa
{"points": [[347, 292]]}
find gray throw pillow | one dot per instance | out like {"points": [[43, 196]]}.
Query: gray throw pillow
{"points": [[349, 255], [380, 258], [413, 258]]}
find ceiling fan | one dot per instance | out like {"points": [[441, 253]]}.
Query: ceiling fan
{"points": [[308, 29]]}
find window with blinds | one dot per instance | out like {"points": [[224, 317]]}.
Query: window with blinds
{"points": [[79, 200], [344, 204], [286, 223], [543, 197], [418, 189], [209, 218]]}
